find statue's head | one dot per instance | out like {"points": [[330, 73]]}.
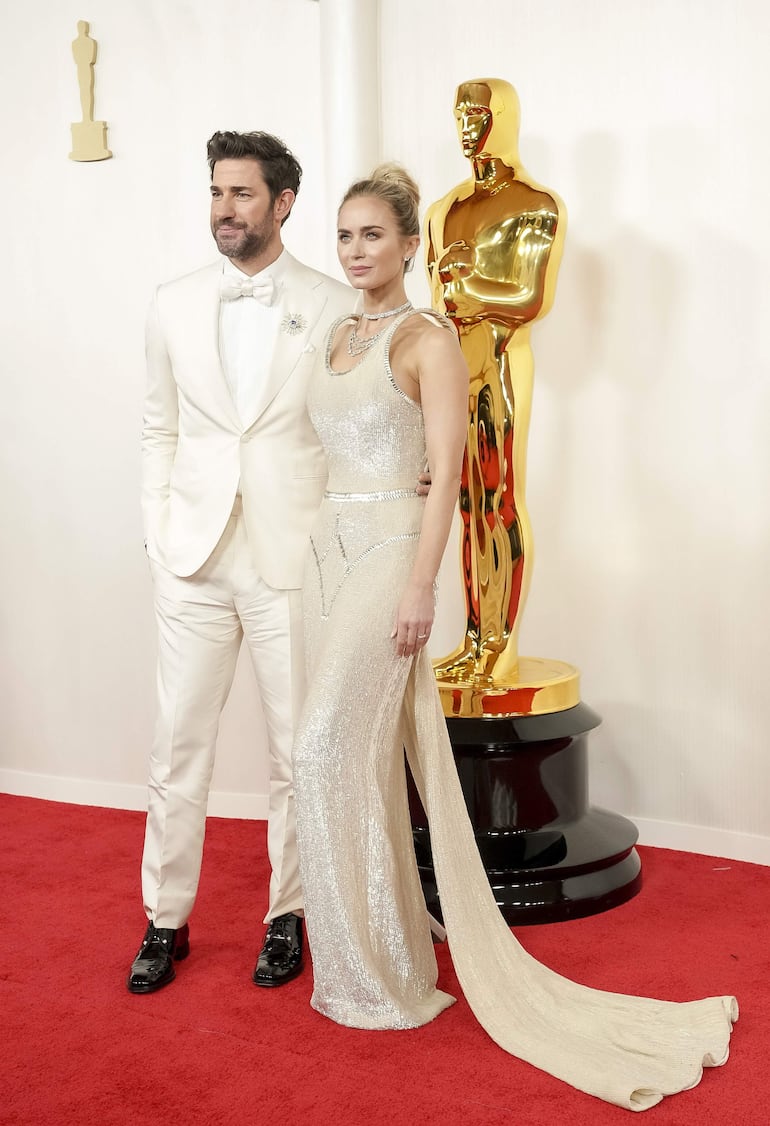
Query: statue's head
{"points": [[487, 114]]}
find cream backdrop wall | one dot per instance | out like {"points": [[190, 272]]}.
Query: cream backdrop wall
{"points": [[648, 461], [86, 243]]}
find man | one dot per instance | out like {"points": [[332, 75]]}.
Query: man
{"points": [[232, 477]]}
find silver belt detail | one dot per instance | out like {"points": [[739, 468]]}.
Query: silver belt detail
{"points": [[386, 494]]}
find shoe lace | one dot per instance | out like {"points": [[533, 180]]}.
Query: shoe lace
{"points": [[154, 937], [279, 931]]}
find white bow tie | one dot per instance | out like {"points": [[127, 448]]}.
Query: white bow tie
{"points": [[263, 291]]}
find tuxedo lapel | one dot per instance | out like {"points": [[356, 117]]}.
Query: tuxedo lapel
{"points": [[202, 330], [300, 304]]}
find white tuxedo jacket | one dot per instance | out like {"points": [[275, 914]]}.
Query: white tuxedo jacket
{"points": [[195, 448]]}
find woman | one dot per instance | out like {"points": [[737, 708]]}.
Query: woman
{"points": [[392, 395]]}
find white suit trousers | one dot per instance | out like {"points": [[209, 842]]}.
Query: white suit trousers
{"points": [[201, 623]]}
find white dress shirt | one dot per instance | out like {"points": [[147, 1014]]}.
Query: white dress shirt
{"points": [[248, 330]]}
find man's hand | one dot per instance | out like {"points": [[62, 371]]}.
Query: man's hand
{"points": [[423, 484]]}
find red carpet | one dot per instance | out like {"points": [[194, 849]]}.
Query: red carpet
{"points": [[76, 1049]]}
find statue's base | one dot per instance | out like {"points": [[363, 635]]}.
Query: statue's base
{"points": [[541, 686], [548, 854], [89, 141]]}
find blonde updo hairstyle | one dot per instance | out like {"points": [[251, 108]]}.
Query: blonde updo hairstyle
{"points": [[393, 185]]}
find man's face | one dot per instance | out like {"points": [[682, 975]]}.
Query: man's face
{"points": [[474, 119], [244, 222]]}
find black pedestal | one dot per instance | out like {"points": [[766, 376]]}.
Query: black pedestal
{"points": [[548, 854]]}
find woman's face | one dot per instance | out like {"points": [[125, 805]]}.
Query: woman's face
{"points": [[370, 247]]}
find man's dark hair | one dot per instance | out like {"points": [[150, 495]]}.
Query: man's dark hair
{"points": [[280, 168]]}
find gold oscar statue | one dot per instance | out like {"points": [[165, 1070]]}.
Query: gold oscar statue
{"points": [[518, 728], [493, 249], [89, 137]]}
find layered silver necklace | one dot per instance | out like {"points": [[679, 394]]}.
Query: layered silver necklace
{"points": [[357, 345]]}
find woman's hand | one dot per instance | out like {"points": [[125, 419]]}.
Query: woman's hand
{"points": [[414, 619]]}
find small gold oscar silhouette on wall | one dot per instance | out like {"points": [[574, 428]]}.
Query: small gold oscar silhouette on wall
{"points": [[89, 137]]}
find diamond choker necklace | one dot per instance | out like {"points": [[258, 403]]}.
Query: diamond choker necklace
{"points": [[388, 312]]}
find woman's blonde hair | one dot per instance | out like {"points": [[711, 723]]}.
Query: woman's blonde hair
{"points": [[393, 185]]}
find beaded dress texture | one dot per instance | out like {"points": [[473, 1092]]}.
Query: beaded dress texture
{"points": [[368, 929]]}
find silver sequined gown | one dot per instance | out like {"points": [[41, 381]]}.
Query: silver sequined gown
{"points": [[368, 929]]}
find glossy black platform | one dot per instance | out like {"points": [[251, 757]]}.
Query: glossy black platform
{"points": [[548, 854]]}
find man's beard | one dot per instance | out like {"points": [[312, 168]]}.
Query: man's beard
{"points": [[241, 244]]}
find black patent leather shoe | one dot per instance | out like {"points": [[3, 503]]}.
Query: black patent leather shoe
{"points": [[280, 959], [153, 967]]}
